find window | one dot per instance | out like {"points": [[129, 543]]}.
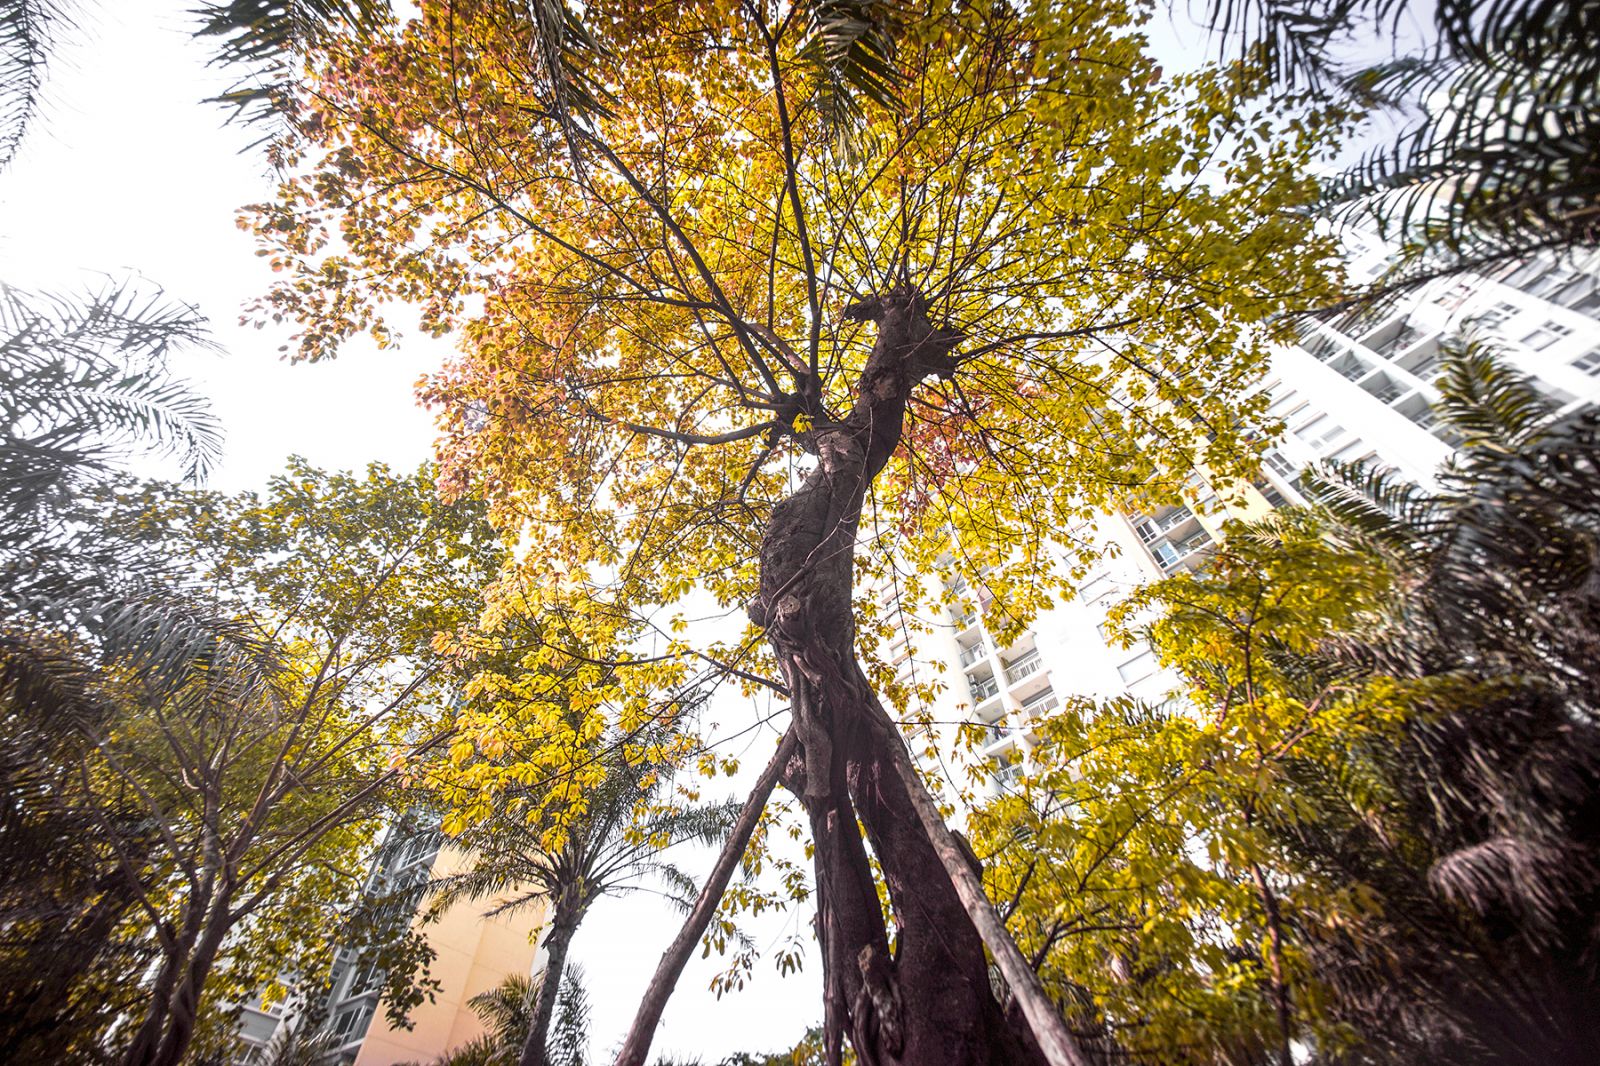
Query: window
{"points": [[1140, 666], [1454, 296], [1284, 405], [1270, 493], [1320, 432], [1546, 335], [1589, 362], [1095, 588], [1497, 316], [1279, 465]]}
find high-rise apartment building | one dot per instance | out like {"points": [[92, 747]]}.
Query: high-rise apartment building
{"points": [[473, 954], [1358, 389]]}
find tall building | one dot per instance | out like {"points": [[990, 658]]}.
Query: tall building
{"points": [[473, 954], [1358, 389]]}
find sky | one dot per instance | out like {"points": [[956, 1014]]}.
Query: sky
{"points": [[127, 173]]}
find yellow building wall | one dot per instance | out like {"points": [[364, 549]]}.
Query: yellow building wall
{"points": [[475, 954]]}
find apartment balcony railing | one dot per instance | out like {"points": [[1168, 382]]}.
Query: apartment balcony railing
{"points": [[1353, 370], [1427, 368], [965, 620], [1389, 393], [1151, 528], [973, 654], [994, 734], [1400, 341], [983, 688], [1171, 554], [1041, 703], [1023, 666]]}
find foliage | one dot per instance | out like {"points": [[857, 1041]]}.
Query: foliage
{"points": [[1498, 114], [27, 32], [228, 794], [543, 430], [562, 853], [661, 331], [86, 387], [507, 1010], [1140, 864], [259, 39], [1363, 831]]}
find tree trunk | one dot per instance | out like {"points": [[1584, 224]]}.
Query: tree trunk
{"points": [[147, 1040], [563, 924], [929, 1002], [636, 1045], [184, 1011]]}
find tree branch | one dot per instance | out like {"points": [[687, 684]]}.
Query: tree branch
{"points": [[637, 1043]]}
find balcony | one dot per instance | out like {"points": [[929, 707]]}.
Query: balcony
{"points": [[1152, 528], [1172, 553], [982, 688], [1023, 666], [973, 654], [1402, 340], [1352, 369], [996, 734], [964, 619], [1042, 702]]}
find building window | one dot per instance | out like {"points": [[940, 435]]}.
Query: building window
{"points": [[1095, 588], [1279, 465], [1454, 296], [1138, 667], [1497, 316], [1546, 335], [1589, 362]]}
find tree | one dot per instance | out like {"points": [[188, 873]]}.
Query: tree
{"points": [[1361, 831], [1141, 859], [508, 1011], [255, 788], [86, 389], [565, 854], [666, 384]]}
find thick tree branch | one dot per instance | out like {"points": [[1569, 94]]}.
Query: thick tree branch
{"points": [[637, 1043]]}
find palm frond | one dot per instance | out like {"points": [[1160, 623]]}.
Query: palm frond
{"points": [[1492, 406], [1373, 507], [568, 1041], [86, 376], [260, 39], [850, 47], [28, 29]]}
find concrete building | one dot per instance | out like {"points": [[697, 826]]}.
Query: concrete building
{"points": [[1359, 389], [474, 954]]}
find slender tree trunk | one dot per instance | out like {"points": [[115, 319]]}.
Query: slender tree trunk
{"points": [[184, 1011], [563, 924], [929, 1002], [637, 1043], [142, 1050], [1280, 986]]}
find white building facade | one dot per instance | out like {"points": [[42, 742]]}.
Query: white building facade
{"points": [[1361, 390]]}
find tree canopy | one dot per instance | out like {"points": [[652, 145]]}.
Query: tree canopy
{"points": [[1075, 266]]}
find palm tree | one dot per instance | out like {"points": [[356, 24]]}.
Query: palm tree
{"points": [[1499, 152], [85, 385], [1485, 852], [614, 846], [507, 1011]]}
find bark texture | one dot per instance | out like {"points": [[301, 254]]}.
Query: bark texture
{"points": [[928, 1002]]}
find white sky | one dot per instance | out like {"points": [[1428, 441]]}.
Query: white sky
{"points": [[127, 172]]}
